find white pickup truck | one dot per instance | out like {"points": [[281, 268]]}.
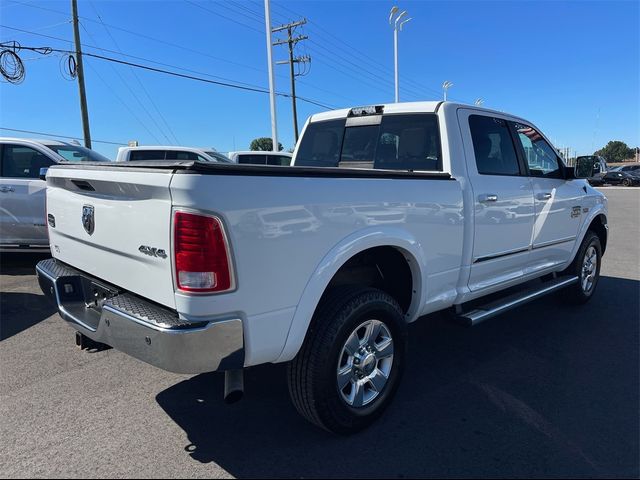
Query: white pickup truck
{"points": [[388, 213]]}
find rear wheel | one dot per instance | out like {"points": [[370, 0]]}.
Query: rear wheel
{"points": [[350, 364], [626, 182], [586, 267]]}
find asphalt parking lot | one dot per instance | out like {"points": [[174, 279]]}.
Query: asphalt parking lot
{"points": [[547, 390]]}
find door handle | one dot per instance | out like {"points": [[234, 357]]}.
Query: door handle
{"points": [[6, 189], [488, 197], [544, 196]]}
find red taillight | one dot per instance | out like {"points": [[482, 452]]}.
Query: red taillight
{"points": [[201, 254]]}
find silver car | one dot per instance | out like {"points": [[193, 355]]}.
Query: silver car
{"points": [[22, 199]]}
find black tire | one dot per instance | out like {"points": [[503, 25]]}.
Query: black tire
{"points": [[626, 182], [312, 375], [576, 292]]}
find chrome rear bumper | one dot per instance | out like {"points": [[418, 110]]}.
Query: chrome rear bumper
{"points": [[144, 330]]}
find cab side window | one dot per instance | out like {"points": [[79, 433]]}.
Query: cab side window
{"points": [[23, 162], [539, 155], [493, 146]]}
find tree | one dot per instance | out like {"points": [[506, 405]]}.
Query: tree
{"points": [[616, 151], [263, 144]]}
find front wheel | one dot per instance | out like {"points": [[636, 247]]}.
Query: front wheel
{"points": [[586, 267], [626, 182], [350, 364]]}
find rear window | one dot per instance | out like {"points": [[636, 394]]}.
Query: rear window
{"points": [[253, 159], [178, 155], [399, 142], [281, 160], [147, 155]]}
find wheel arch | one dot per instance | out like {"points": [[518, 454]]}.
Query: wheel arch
{"points": [[597, 223], [335, 259], [599, 226]]}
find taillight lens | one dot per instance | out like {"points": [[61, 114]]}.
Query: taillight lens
{"points": [[201, 254]]}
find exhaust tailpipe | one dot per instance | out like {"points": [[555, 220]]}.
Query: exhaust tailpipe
{"points": [[233, 386]]}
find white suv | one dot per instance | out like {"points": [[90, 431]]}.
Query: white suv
{"points": [[161, 152], [22, 200]]}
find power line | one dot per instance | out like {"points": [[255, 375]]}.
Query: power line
{"points": [[138, 34], [164, 42], [137, 78], [182, 75], [333, 58], [84, 45], [195, 4], [125, 104], [363, 56], [59, 136]]}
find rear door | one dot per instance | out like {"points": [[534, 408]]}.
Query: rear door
{"points": [[503, 200], [558, 202], [22, 195]]}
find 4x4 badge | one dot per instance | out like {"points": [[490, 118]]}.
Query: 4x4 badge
{"points": [[152, 251], [576, 211]]}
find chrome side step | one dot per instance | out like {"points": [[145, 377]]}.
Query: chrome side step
{"points": [[502, 305]]}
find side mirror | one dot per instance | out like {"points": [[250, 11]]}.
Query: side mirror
{"points": [[583, 168], [43, 173]]}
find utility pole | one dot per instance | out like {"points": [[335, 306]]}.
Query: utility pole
{"points": [[272, 92], [83, 95], [291, 41]]}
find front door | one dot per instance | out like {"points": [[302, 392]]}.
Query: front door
{"points": [[22, 196], [503, 200], [557, 200]]}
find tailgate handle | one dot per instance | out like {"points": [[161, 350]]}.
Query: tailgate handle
{"points": [[83, 185]]}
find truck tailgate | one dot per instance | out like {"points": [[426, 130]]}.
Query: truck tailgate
{"points": [[131, 213]]}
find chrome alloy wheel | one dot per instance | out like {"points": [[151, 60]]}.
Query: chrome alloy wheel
{"points": [[589, 269], [365, 363]]}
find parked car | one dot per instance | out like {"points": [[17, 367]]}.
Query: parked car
{"points": [[200, 283], [159, 152], [261, 158], [633, 169], [625, 179], [22, 207]]}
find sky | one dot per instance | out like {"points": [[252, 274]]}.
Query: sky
{"points": [[572, 68]]}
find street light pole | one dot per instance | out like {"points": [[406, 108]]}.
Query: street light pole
{"points": [[395, 62], [397, 26], [445, 86]]}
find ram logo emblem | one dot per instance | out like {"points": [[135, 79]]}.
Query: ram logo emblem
{"points": [[88, 218]]}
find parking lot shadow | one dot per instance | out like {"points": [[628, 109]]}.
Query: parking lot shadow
{"points": [[21, 263], [548, 390], [20, 311]]}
